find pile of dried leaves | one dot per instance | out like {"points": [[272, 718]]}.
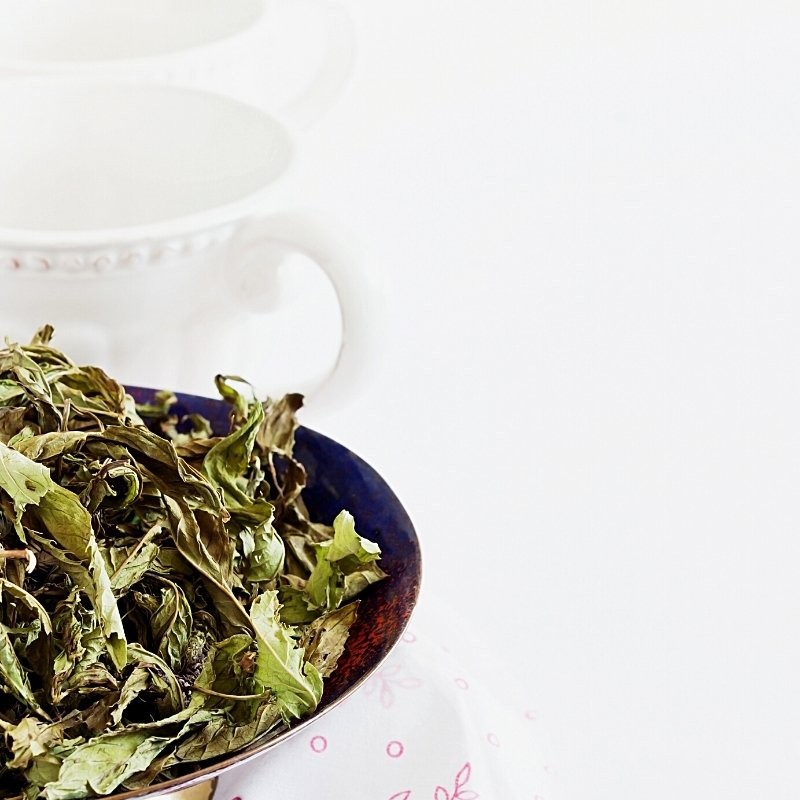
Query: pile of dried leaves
{"points": [[164, 597]]}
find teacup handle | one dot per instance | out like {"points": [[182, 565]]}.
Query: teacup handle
{"points": [[336, 65], [308, 234]]}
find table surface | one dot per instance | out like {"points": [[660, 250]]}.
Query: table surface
{"points": [[580, 220]]}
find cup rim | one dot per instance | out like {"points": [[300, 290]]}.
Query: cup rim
{"points": [[179, 225], [27, 67]]}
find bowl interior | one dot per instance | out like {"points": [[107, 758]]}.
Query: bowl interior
{"points": [[99, 156], [337, 479]]}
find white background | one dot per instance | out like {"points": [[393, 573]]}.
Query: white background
{"points": [[583, 220], [579, 222]]}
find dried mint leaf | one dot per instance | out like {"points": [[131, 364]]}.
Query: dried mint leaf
{"points": [[165, 599]]}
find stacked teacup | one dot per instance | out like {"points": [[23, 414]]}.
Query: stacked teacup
{"points": [[139, 153]]}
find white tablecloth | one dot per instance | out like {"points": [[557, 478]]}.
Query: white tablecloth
{"points": [[437, 721]]}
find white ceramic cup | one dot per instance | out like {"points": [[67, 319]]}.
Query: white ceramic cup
{"points": [[132, 218], [243, 48]]}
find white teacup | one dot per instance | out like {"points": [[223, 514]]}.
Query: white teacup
{"points": [[131, 218], [247, 49]]}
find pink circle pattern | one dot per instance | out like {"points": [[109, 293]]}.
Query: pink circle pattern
{"points": [[461, 683], [395, 749], [319, 744]]}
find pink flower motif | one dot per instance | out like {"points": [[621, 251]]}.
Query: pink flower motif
{"points": [[401, 795], [387, 681], [460, 790]]}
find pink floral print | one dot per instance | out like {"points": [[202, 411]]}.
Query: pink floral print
{"points": [[460, 790], [387, 681]]}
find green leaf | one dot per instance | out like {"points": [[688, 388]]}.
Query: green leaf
{"points": [[346, 542], [137, 682], [70, 524], [265, 554], [226, 674], [23, 480], [325, 587], [102, 764], [115, 485], [172, 624], [44, 768], [225, 466], [219, 737], [227, 461], [13, 674], [29, 483], [127, 565], [9, 589], [325, 638], [159, 408], [280, 424], [230, 394], [50, 445], [345, 566], [105, 762], [12, 421], [10, 391], [192, 545], [157, 458], [295, 606], [297, 686], [30, 739], [163, 679], [357, 581], [80, 643]]}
